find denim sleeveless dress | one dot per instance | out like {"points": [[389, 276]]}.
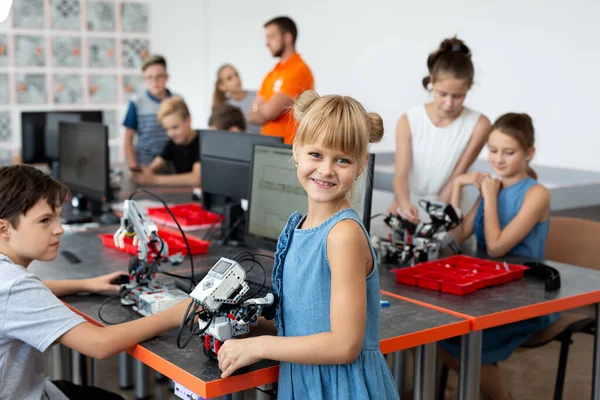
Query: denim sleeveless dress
{"points": [[510, 201], [302, 280], [500, 342]]}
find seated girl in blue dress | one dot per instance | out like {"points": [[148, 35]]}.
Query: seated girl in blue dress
{"points": [[510, 218], [325, 271]]}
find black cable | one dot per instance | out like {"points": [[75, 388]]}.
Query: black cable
{"points": [[184, 322], [232, 230], [189, 319], [156, 262], [252, 260], [209, 230], [263, 255], [262, 285], [105, 302], [378, 215], [235, 257], [187, 245]]}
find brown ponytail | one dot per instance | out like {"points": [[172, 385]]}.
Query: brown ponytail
{"points": [[453, 57]]}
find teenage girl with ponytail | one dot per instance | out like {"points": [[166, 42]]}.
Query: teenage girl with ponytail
{"points": [[438, 141]]}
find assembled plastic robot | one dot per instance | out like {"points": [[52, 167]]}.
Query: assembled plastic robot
{"points": [[137, 225], [226, 310], [221, 300], [409, 244]]}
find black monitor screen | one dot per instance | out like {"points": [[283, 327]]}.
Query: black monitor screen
{"points": [[34, 130], [84, 163], [51, 131], [226, 157], [275, 193], [32, 138]]}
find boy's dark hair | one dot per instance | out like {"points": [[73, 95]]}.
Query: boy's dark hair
{"points": [[154, 59], [453, 57], [286, 25], [227, 116], [22, 186]]}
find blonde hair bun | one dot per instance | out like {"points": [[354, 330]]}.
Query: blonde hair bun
{"points": [[376, 133], [303, 103]]}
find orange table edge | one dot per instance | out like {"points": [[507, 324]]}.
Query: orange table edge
{"points": [[517, 314], [215, 388], [426, 336], [269, 375]]}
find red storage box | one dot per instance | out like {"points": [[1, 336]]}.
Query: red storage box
{"points": [[173, 239], [190, 216], [459, 274]]}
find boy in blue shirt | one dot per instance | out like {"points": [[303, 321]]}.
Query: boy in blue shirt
{"points": [[141, 118]]}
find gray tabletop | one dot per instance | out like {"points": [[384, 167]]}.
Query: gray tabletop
{"points": [[509, 302], [400, 319], [403, 319]]}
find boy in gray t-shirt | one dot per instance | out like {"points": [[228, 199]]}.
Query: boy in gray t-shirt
{"points": [[31, 316]]}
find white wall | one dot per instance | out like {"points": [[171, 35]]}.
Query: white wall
{"points": [[539, 57]]}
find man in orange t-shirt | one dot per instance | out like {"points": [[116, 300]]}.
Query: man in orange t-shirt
{"points": [[290, 77]]}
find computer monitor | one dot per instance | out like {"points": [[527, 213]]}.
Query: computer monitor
{"points": [[51, 137], [84, 164], [275, 193], [39, 133], [226, 158]]}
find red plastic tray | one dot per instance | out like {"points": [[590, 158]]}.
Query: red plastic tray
{"points": [[173, 239], [459, 274], [188, 215]]}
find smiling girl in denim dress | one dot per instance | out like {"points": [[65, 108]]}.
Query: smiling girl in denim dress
{"points": [[325, 271]]}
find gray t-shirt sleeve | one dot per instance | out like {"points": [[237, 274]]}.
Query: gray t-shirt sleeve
{"points": [[36, 316], [245, 105]]}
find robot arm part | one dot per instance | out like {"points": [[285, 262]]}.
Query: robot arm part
{"points": [[135, 223]]}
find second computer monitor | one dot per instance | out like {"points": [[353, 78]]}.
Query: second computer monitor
{"points": [[39, 132], [84, 161], [275, 193], [226, 157]]}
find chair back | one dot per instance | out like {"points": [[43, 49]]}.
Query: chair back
{"points": [[574, 241]]}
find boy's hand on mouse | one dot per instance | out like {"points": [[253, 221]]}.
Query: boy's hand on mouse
{"points": [[238, 353], [104, 283], [490, 188]]}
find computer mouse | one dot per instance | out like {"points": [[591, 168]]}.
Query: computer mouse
{"points": [[73, 259]]}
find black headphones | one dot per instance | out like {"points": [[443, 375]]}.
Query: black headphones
{"points": [[550, 275]]}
